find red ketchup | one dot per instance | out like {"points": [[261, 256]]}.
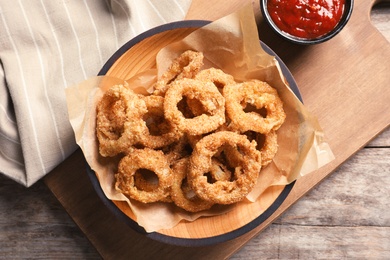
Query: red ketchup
{"points": [[306, 18]]}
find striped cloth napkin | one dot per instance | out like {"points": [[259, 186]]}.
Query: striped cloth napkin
{"points": [[46, 46]]}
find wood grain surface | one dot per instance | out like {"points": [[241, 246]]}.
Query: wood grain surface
{"points": [[345, 217]]}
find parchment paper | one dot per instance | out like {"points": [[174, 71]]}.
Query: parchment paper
{"points": [[231, 44]]}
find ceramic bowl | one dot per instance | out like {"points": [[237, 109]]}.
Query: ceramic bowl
{"points": [[348, 7]]}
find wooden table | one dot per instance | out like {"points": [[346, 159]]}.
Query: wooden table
{"points": [[346, 216]]}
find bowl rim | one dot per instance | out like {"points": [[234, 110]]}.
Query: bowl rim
{"points": [[342, 23], [177, 241]]}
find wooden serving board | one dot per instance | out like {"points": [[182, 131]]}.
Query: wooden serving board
{"points": [[344, 82]]}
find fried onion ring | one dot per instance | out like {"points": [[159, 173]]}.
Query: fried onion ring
{"points": [[219, 78], [186, 65], [116, 112], [181, 193], [207, 94], [144, 159], [260, 95], [244, 176]]}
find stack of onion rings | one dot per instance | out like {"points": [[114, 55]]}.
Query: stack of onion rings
{"points": [[200, 139]]}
